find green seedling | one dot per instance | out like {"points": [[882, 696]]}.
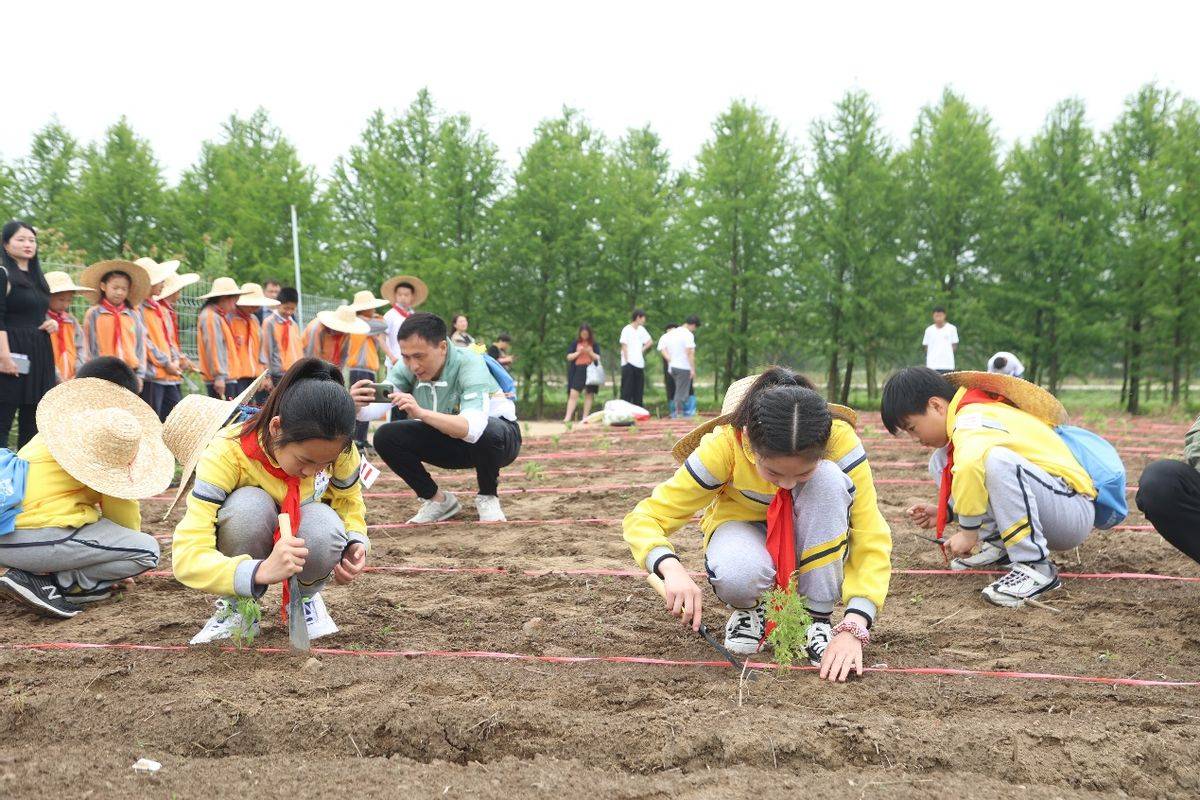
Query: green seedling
{"points": [[533, 471], [789, 638], [570, 424], [554, 440], [604, 444], [251, 613], [525, 427]]}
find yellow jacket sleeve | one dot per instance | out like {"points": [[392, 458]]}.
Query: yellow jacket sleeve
{"points": [[969, 489], [345, 496], [868, 568], [126, 513], [196, 560], [675, 501]]}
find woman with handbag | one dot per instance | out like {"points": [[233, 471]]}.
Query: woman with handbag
{"points": [[584, 372], [26, 352]]}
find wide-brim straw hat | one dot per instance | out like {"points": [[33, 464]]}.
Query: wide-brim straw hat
{"points": [[106, 437], [177, 283], [366, 301], [193, 423], [733, 398], [158, 272], [344, 320], [61, 282], [254, 297], [1029, 397], [139, 278], [420, 290], [223, 287]]}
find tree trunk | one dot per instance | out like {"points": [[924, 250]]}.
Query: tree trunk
{"points": [[1135, 366], [872, 378], [845, 395]]}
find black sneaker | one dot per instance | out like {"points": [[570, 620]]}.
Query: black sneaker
{"points": [[38, 592], [85, 596]]}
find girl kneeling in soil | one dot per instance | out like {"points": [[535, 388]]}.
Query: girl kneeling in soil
{"points": [[785, 486], [293, 456]]}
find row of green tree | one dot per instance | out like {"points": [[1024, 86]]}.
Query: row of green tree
{"points": [[1077, 249]]}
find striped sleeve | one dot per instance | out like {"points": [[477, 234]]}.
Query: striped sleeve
{"points": [[345, 496], [868, 566], [78, 343], [91, 336]]}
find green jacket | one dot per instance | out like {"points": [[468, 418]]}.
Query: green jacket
{"points": [[1191, 445], [464, 384]]}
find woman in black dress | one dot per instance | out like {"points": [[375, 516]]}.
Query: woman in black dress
{"points": [[24, 330]]}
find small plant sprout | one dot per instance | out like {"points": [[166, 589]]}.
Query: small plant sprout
{"points": [[533, 471], [605, 444], [570, 424], [554, 440], [789, 637], [250, 613]]}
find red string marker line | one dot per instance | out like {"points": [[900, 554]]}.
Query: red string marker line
{"points": [[640, 660]]}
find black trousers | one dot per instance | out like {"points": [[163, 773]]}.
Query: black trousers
{"points": [[1169, 495], [633, 384], [162, 397], [26, 424], [406, 446]]}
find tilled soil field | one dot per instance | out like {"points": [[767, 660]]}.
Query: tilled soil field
{"points": [[488, 660]]}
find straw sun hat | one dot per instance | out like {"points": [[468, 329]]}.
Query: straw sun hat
{"points": [[366, 301], [733, 398], [223, 287], [1029, 397], [106, 437], [139, 278], [344, 320], [193, 423], [254, 297], [61, 282], [158, 272], [177, 283], [420, 290]]}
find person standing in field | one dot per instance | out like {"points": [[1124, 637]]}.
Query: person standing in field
{"points": [[941, 342], [681, 360], [406, 293], [635, 341], [271, 290]]}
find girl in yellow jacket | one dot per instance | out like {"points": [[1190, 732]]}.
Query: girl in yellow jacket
{"points": [[786, 490], [293, 456]]}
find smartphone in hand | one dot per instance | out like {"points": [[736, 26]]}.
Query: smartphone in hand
{"points": [[383, 392]]}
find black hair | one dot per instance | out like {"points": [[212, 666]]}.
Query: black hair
{"points": [[311, 402], [591, 333], [454, 319], [637, 312], [670, 326], [404, 285], [17, 276], [111, 369], [429, 327], [692, 320], [288, 294], [782, 414], [504, 337], [908, 392], [999, 362], [939, 309]]}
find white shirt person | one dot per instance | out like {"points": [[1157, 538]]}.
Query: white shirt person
{"points": [[941, 342]]}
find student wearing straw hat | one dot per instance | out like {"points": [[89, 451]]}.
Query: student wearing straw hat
{"points": [[164, 370], [1013, 484], [98, 451], [214, 338], [294, 455], [362, 355], [406, 293], [786, 491], [282, 341], [113, 327], [172, 288], [247, 336], [67, 341], [328, 336]]}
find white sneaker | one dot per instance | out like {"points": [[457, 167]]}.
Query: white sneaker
{"points": [[433, 511], [744, 631], [489, 509], [989, 555], [1021, 583], [818, 637], [317, 619], [222, 624]]}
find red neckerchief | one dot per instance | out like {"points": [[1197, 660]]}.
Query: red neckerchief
{"points": [[287, 331], [781, 537], [63, 319], [157, 308], [402, 311], [173, 328], [116, 312], [943, 512], [291, 500], [338, 339], [245, 315]]}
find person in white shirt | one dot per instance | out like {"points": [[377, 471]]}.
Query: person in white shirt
{"points": [[635, 341], [405, 293], [681, 360], [941, 341], [1005, 363]]}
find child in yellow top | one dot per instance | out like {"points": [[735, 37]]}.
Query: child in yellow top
{"points": [[294, 455], [777, 462], [78, 534]]}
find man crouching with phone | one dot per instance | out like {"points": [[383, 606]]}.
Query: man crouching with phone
{"points": [[454, 417]]}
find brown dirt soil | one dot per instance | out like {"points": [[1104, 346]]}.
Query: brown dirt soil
{"points": [[72, 722]]}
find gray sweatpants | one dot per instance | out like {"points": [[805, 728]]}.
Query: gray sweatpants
{"points": [[246, 524], [89, 558], [1030, 512], [740, 568], [683, 389]]}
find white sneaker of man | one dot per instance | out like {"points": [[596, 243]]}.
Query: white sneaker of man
{"points": [[989, 555], [223, 623], [488, 506], [1021, 583], [317, 619], [433, 511], [744, 631]]}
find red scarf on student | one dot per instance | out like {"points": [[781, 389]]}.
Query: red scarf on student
{"points": [[157, 308], [781, 538], [116, 312], [63, 320], [402, 311], [246, 317], [943, 512], [338, 340], [291, 500], [173, 328], [286, 339]]}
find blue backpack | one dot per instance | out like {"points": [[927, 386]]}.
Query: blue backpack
{"points": [[1102, 462], [13, 471], [507, 384]]}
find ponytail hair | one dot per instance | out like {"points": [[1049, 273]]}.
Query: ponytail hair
{"points": [[311, 402], [783, 415]]}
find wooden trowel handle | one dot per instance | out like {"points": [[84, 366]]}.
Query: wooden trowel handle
{"points": [[285, 526]]}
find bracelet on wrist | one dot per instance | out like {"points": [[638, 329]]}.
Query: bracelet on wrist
{"points": [[855, 629]]}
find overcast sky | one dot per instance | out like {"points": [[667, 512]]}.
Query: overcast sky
{"points": [[177, 74]]}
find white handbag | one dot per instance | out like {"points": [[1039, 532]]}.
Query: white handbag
{"points": [[595, 374]]}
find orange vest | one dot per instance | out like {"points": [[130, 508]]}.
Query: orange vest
{"points": [[214, 344], [320, 342], [279, 355], [160, 349], [247, 359], [68, 346], [106, 334]]}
